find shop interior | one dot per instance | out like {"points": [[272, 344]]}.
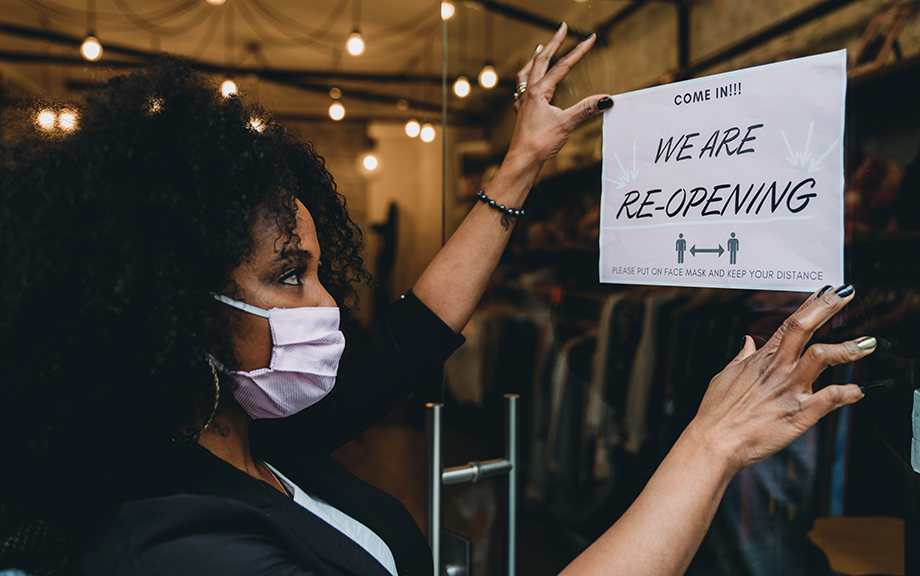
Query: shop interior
{"points": [[410, 103]]}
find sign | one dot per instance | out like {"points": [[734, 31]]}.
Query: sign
{"points": [[729, 181]]}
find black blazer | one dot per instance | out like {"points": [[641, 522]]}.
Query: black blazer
{"points": [[189, 512]]}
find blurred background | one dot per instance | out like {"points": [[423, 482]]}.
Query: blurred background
{"points": [[410, 102]]}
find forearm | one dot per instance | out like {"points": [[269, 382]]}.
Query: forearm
{"points": [[659, 534], [453, 283]]}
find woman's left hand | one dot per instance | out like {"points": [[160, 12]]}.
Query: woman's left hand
{"points": [[542, 129]]}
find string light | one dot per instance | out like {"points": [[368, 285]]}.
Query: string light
{"points": [[355, 44], [413, 128], [91, 49], [46, 119], [256, 123], [402, 105], [370, 162], [462, 87], [228, 88], [488, 77], [335, 93], [427, 133], [447, 10], [67, 120], [336, 111]]}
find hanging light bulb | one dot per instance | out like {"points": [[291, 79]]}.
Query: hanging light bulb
{"points": [[462, 87], [336, 111], [427, 133], [228, 88], [370, 162], [67, 120], [45, 119], [413, 128], [91, 49], [256, 124], [488, 77], [355, 44], [447, 10]]}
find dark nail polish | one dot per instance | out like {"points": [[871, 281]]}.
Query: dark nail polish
{"points": [[878, 387], [743, 343], [561, 24], [824, 291], [589, 36], [605, 103], [844, 291]]}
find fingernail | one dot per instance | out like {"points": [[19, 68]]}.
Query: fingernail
{"points": [[743, 343], [868, 343], [561, 24], [589, 36], [539, 49], [844, 291], [824, 291], [605, 103], [877, 387]]}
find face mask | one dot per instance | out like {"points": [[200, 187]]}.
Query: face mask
{"points": [[306, 348]]}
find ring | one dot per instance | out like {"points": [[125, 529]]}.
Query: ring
{"points": [[521, 88]]}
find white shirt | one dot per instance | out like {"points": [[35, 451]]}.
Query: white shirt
{"points": [[361, 534]]}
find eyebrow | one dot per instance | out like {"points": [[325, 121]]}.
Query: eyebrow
{"points": [[287, 255]]}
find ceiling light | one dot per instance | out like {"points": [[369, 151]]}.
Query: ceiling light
{"points": [[412, 128], [462, 87], [91, 49], [447, 10], [216, 2], [336, 111], [355, 44], [488, 77], [45, 119], [228, 88], [335, 93], [67, 120], [427, 133]]}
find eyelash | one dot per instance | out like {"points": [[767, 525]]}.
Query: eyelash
{"points": [[295, 273]]}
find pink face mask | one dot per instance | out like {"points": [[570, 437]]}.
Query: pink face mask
{"points": [[306, 348]]}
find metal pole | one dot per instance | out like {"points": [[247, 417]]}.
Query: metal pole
{"points": [[511, 454], [435, 467]]}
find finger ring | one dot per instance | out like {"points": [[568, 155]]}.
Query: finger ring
{"points": [[521, 88]]}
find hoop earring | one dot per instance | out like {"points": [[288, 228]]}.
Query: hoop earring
{"points": [[197, 433]]}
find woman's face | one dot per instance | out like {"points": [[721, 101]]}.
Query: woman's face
{"points": [[275, 276]]}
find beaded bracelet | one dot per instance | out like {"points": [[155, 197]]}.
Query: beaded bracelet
{"points": [[507, 213]]}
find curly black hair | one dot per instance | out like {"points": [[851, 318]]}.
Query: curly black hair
{"points": [[113, 235]]}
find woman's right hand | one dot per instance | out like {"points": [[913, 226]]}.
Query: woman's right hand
{"points": [[542, 129], [763, 400]]}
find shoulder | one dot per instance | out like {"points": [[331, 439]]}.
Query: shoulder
{"points": [[195, 535]]}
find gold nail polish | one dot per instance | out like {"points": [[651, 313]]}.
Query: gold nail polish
{"points": [[867, 343]]}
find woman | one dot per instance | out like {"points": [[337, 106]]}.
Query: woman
{"points": [[172, 271]]}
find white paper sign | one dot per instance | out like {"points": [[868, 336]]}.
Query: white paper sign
{"points": [[728, 181]]}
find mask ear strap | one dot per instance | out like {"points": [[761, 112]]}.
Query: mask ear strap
{"points": [[241, 305]]}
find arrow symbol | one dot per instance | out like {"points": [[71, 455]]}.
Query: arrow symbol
{"points": [[628, 176], [799, 158], [805, 155], [814, 163], [694, 250], [634, 173]]}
